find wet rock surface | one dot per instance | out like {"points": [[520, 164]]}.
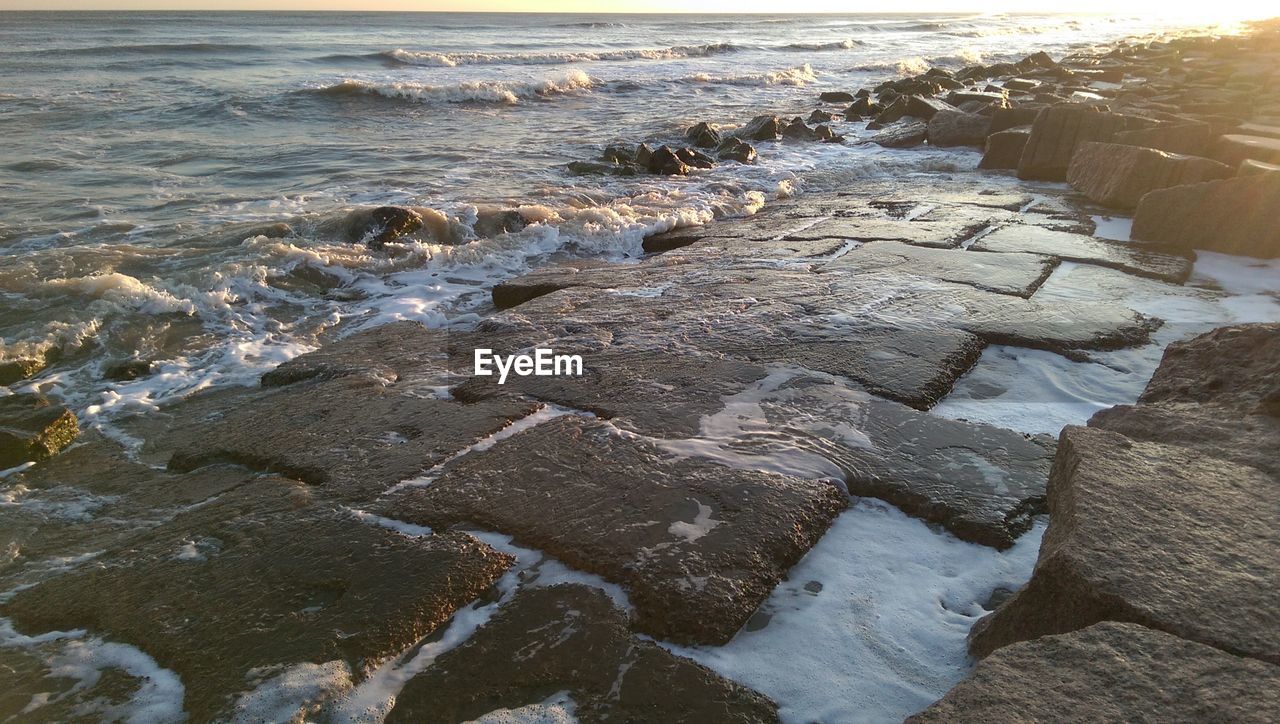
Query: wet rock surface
{"points": [[697, 545], [1111, 672], [33, 429], [1165, 264], [540, 644], [239, 590]]}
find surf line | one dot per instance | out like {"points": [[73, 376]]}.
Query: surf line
{"points": [[541, 363]]}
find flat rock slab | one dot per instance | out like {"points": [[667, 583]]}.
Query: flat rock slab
{"points": [[32, 429], [982, 483], [571, 638], [1139, 259], [1233, 216], [1111, 672], [1189, 138], [748, 316], [1234, 148], [259, 580], [382, 354], [1151, 534], [945, 234], [697, 545], [350, 437], [90, 498], [1015, 273]]}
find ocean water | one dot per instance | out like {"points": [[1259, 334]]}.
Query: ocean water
{"points": [[145, 152]]}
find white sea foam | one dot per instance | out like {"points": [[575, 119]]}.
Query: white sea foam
{"points": [[450, 60], [883, 635]]}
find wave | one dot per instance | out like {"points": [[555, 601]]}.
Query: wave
{"points": [[501, 92], [916, 64], [451, 60], [798, 76], [834, 45]]}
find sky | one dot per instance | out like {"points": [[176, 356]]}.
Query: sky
{"points": [[1210, 10]]}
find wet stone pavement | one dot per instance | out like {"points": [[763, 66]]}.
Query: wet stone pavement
{"points": [[745, 384]]}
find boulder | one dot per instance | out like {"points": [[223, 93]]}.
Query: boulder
{"points": [[734, 149], [1259, 129], [1119, 176], [126, 370], [388, 223], [821, 116], [697, 545], [1022, 85], [703, 135], [1233, 216], [861, 108], [902, 135], [32, 429], [836, 97], [957, 128], [1058, 130], [797, 130], [572, 639], [1191, 139], [1234, 148], [827, 135], [1152, 534], [491, 223], [761, 128], [1005, 118], [1111, 672], [666, 162], [1004, 148], [895, 111], [923, 107], [16, 370], [695, 158], [956, 98], [261, 579]]}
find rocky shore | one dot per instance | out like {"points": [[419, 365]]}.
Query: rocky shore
{"points": [[375, 532]]}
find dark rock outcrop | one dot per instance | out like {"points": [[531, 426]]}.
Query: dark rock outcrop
{"points": [[388, 223], [734, 149], [1004, 148], [761, 128], [1059, 129], [703, 135]]}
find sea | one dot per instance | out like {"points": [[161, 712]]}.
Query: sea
{"points": [[149, 159]]}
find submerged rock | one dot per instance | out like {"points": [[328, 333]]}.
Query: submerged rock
{"points": [[16, 370], [388, 223]]}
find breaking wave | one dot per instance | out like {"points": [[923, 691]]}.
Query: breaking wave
{"points": [[451, 60], [501, 92]]}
